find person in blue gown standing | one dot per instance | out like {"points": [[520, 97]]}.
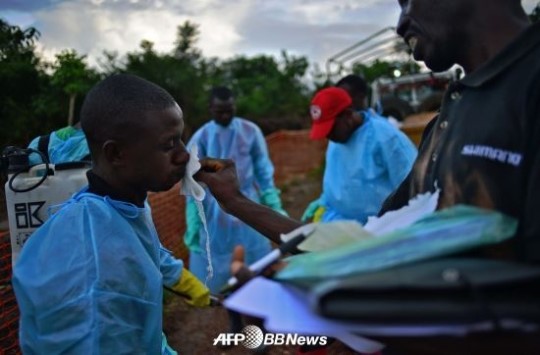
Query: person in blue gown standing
{"points": [[90, 280]]}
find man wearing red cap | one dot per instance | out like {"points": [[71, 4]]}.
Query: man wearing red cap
{"points": [[366, 159]]}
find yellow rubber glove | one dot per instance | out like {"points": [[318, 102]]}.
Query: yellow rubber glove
{"points": [[190, 286]]}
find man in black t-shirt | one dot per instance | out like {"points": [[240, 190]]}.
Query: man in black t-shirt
{"points": [[480, 149]]}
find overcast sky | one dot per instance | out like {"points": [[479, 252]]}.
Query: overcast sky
{"points": [[313, 28]]}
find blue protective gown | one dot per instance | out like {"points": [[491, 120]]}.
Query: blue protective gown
{"points": [[243, 142], [65, 145], [89, 281], [363, 171]]}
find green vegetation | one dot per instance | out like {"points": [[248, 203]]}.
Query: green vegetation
{"points": [[379, 69], [38, 96]]}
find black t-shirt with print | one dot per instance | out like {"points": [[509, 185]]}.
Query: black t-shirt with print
{"points": [[482, 148]]}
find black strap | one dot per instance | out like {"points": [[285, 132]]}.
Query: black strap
{"points": [[43, 145]]}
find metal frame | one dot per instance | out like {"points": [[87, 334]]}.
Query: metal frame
{"points": [[366, 50]]}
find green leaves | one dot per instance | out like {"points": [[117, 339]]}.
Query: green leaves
{"points": [[73, 76], [270, 91], [386, 69], [71, 73], [20, 78]]}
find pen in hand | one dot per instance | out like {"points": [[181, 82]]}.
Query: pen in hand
{"points": [[294, 239]]}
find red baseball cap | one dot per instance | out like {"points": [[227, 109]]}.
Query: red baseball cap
{"points": [[326, 105]]}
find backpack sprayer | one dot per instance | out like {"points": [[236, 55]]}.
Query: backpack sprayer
{"points": [[31, 191]]}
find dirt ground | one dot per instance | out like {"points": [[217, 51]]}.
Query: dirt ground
{"points": [[191, 331]]}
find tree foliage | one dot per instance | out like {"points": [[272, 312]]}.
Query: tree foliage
{"points": [[179, 75], [268, 91], [379, 69], [21, 80], [72, 75], [187, 35], [35, 95], [266, 88]]}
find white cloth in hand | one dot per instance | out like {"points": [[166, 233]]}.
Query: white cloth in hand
{"points": [[190, 187]]}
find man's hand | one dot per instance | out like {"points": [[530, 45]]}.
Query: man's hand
{"points": [[238, 268], [241, 271], [221, 178]]}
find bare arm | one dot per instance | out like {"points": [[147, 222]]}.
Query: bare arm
{"points": [[220, 177]]}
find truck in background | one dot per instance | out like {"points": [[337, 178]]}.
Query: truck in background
{"points": [[397, 96], [410, 94]]}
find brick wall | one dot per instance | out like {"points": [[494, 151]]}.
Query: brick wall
{"points": [[168, 214], [9, 312], [294, 154]]}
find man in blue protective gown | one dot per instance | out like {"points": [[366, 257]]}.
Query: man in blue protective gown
{"points": [[227, 136], [367, 157], [90, 280], [230, 137]]}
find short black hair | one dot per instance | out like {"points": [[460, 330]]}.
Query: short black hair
{"points": [[116, 107], [221, 93], [355, 82]]}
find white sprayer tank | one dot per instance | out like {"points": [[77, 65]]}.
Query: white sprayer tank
{"points": [[29, 210]]}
